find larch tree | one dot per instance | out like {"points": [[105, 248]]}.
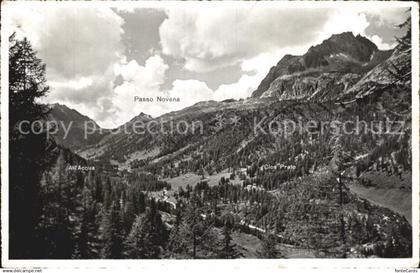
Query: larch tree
{"points": [[27, 83]]}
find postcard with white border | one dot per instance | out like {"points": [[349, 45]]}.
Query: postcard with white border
{"points": [[209, 135]]}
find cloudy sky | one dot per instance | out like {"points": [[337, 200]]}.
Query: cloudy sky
{"points": [[98, 59]]}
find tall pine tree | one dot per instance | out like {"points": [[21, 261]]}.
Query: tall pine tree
{"points": [[268, 249], [27, 83], [228, 250], [112, 237]]}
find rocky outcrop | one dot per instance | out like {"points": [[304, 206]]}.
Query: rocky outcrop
{"points": [[323, 86], [381, 75], [287, 65], [346, 45]]}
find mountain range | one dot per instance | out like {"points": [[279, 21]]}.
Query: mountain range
{"points": [[317, 186], [325, 74]]}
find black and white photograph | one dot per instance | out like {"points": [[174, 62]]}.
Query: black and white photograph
{"points": [[278, 132]]}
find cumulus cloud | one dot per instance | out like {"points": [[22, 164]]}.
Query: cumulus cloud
{"points": [[342, 20], [151, 75], [383, 27], [256, 39], [145, 82], [86, 54], [368, 22], [190, 92], [80, 48], [141, 81], [89, 95], [207, 39], [73, 42], [389, 16], [254, 69], [380, 43]]}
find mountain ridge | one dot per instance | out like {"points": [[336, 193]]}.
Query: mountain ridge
{"points": [[341, 53], [311, 86]]}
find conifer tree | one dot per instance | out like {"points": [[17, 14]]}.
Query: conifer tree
{"points": [[268, 249], [135, 247], [147, 237], [228, 250], [157, 234], [87, 236], [27, 83], [112, 237], [178, 240]]}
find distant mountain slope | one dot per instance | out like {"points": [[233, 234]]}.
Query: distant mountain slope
{"points": [[61, 112], [74, 122], [233, 131], [124, 145]]}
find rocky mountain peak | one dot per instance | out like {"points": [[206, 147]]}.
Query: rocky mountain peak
{"points": [[143, 116], [342, 53], [358, 48]]}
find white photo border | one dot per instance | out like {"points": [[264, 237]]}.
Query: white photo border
{"points": [[254, 265]]}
